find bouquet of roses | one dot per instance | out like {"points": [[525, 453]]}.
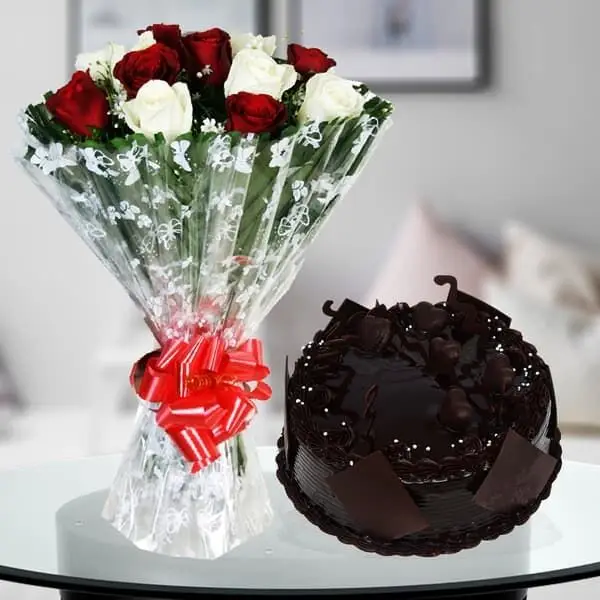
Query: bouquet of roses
{"points": [[198, 168]]}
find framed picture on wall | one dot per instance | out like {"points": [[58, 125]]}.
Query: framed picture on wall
{"points": [[94, 23], [401, 45]]}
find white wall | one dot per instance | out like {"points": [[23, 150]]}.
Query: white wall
{"points": [[56, 301], [527, 149]]}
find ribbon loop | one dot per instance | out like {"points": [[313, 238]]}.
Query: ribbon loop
{"points": [[205, 392]]}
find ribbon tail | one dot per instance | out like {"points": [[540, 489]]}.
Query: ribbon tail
{"points": [[262, 391], [197, 446], [246, 363]]}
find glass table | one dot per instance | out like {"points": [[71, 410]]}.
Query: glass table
{"points": [[52, 535]]}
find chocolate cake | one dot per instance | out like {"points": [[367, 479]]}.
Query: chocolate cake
{"points": [[419, 430]]}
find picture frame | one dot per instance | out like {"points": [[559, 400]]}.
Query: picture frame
{"points": [[94, 23], [389, 63]]}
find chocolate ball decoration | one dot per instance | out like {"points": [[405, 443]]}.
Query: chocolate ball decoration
{"points": [[443, 355], [499, 374], [456, 412], [429, 317]]}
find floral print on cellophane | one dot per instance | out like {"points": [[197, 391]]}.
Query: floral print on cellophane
{"points": [[208, 231]]}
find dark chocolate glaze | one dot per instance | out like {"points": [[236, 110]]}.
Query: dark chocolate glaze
{"points": [[435, 389]]}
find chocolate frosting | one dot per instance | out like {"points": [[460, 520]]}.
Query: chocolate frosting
{"points": [[436, 385]]}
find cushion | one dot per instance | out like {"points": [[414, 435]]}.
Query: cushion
{"points": [[424, 248], [549, 271], [567, 338]]}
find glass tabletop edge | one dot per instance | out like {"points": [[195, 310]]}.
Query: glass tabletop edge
{"points": [[137, 590]]}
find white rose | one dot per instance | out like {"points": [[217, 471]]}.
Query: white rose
{"points": [[256, 42], [145, 40], [330, 97], [101, 63], [255, 72], [160, 108]]}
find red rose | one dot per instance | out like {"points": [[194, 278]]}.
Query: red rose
{"points": [[209, 53], [80, 105], [140, 66], [169, 35], [254, 113], [308, 61]]}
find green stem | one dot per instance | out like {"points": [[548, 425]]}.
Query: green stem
{"points": [[241, 457]]}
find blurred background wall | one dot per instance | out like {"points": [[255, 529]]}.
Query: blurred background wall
{"points": [[526, 148], [56, 302]]}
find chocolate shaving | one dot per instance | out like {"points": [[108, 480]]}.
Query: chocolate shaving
{"points": [[413, 345], [374, 333], [480, 402], [518, 477], [481, 306], [376, 500], [370, 398]]}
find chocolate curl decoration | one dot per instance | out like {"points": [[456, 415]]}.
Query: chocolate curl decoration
{"points": [[470, 306], [374, 333], [203, 391], [328, 309], [470, 324], [347, 309]]}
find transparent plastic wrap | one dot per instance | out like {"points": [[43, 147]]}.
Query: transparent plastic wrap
{"points": [[156, 502], [206, 234]]}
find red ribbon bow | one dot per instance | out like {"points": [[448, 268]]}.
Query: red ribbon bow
{"points": [[203, 391]]}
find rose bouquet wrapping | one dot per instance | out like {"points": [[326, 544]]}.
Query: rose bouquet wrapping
{"points": [[198, 168]]}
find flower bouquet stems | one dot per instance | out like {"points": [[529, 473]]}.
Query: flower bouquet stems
{"points": [[198, 168]]}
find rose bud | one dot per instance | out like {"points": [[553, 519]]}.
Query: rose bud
{"points": [[157, 62], [308, 61], [254, 113], [209, 55], [169, 35], [80, 105]]}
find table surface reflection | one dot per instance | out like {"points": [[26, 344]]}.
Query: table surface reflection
{"points": [[51, 534]]}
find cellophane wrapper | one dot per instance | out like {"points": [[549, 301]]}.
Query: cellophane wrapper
{"points": [[206, 233]]}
